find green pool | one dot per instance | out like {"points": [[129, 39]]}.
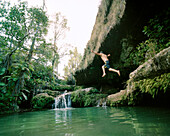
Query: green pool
{"points": [[95, 121]]}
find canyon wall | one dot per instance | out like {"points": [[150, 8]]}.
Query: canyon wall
{"points": [[117, 31]]}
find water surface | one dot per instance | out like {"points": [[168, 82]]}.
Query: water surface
{"points": [[96, 121]]}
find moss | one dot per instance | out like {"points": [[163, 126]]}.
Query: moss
{"points": [[78, 87], [60, 87], [42, 101], [52, 93], [86, 98]]}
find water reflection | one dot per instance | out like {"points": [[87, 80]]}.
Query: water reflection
{"points": [[63, 120], [63, 114], [113, 121], [96, 121], [145, 121]]}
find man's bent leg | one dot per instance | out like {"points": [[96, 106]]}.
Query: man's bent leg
{"points": [[114, 70], [104, 73]]}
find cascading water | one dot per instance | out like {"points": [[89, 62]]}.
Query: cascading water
{"points": [[63, 101], [101, 103]]}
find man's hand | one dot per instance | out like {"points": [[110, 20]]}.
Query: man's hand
{"points": [[95, 53], [108, 55]]}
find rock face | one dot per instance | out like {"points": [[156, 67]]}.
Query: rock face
{"points": [[117, 30]]}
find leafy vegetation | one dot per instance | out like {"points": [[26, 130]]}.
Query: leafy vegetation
{"points": [[27, 60], [157, 32], [19, 26], [146, 88], [42, 101], [149, 88], [153, 86]]}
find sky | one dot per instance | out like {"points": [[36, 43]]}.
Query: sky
{"points": [[81, 16]]}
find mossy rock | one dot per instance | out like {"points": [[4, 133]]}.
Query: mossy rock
{"points": [[86, 97], [52, 93], [64, 87], [42, 101], [117, 99]]}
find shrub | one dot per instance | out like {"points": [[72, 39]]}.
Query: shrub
{"points": [[153, 86], [42, 101]]}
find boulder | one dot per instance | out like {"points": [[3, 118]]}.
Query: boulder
{"points": [[114, 99]]}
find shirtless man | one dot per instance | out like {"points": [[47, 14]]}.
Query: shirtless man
{"points": [[104, 57]]}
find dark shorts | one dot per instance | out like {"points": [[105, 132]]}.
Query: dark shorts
{"points": [[106, 65]]}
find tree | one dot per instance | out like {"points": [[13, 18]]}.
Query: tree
{"points": [[73, 63], [21, 28], [59, 25]]}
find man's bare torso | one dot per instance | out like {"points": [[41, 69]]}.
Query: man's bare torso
{"points": [[103, 57]]}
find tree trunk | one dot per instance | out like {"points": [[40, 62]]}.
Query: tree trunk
{"points": [[20, 82]]}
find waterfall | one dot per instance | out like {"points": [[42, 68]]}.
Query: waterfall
{"points": [[63, 101], [104, 104], [101, 103]]}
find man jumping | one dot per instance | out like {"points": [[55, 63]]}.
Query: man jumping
{"points": [[104, 57]]}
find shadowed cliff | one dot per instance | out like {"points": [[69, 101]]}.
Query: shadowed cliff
{"points": [[117, 30]]}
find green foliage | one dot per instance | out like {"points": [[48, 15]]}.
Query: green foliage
{"points": [[25, 56], [78, 87], [148, 87], [153, 86], [42, 102], [63, 87], [86, 98], [157, 32], [2, 71], [42, 73], [19, 27], [6, 101]]}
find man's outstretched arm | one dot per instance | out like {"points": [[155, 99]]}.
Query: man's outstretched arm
{"points": [[95, 52]]}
